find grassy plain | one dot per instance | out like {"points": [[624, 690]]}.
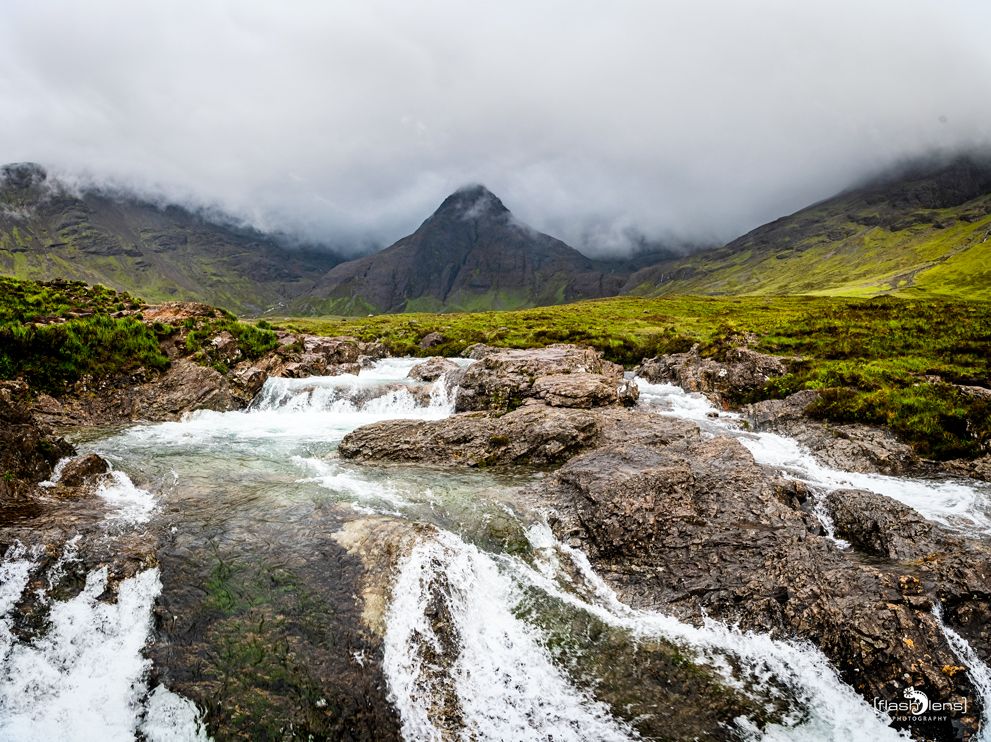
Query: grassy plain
{"points": [[888, 361]]}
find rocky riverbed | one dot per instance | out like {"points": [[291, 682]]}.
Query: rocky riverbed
{"points": [[521, 544]]}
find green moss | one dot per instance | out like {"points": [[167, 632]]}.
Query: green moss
{"points": [[880, 349]]}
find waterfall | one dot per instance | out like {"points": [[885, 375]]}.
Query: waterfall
{"points": [[959, 505], [499, 681]]}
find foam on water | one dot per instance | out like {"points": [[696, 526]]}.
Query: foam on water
{"points": [[15, 571], [505, 683], [171, 718], [323, 408], [85, 678], [829, 709], [964, 506], [333, 476], [129, 505], [977, 670]]}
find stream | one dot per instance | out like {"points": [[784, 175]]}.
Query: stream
{"points": [[478, 624]]}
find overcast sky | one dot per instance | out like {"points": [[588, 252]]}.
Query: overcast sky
{"points": [[346, 121]]}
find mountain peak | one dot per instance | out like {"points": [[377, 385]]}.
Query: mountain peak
{"points": [[472, 202]]}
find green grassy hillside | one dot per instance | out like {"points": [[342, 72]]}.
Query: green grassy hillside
{"points": [[921, 235], [893, 362], [162, 253]]}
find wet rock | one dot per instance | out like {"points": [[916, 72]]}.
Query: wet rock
{"points": [[185, 387], [584, 390], [379, 542], [851, 447], [433, 368], [534, 435], [503, 379], [741, 372], [431, 339], [478, 350], [695, 527], [83, 469], [879, 525], [28, 448], [311, 355], [248, 380], [979, 468]]}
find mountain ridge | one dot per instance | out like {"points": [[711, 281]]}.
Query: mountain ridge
{"points": [[915, 230], [471, 253], [922, 228], [161, 252]]}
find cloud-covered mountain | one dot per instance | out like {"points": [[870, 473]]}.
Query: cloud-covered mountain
{"points": [[924, 227], [159, 252], [470, 254]]}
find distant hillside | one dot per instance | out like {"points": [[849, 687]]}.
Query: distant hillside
{"points": [[471, 254], [921, 230], [161, 253]]}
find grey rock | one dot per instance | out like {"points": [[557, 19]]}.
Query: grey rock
{"points": [[433, 368], [741, 372], [503, 379]]}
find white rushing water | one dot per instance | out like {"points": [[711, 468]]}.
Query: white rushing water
{"points": [[978, 672], [505, 684], [482, 671], [85, 677], [961, 505], [317, 408]]}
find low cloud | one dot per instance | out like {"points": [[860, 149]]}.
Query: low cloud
{"points": [[606, 125]]}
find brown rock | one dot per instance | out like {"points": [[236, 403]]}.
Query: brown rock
{"points": [[83, 470], [503, 379], [433, 368], [431, 339], [695, 527], [741, 372]]}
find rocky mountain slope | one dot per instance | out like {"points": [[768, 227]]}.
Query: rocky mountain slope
{"points": [[471, 254], [47, 231], [923, 229]]}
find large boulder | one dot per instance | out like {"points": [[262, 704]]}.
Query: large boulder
{"points": [[739, 373], [83, 470], [185, 387], [695, 527], [878, 525], [535, 435], [503, 379]]}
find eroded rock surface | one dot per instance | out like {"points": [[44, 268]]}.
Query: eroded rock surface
{"points": [[694, 526], [502, 380], [742, 371], [851, 447]]}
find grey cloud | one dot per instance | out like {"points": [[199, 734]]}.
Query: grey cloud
{"points": [[596, 122]]}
